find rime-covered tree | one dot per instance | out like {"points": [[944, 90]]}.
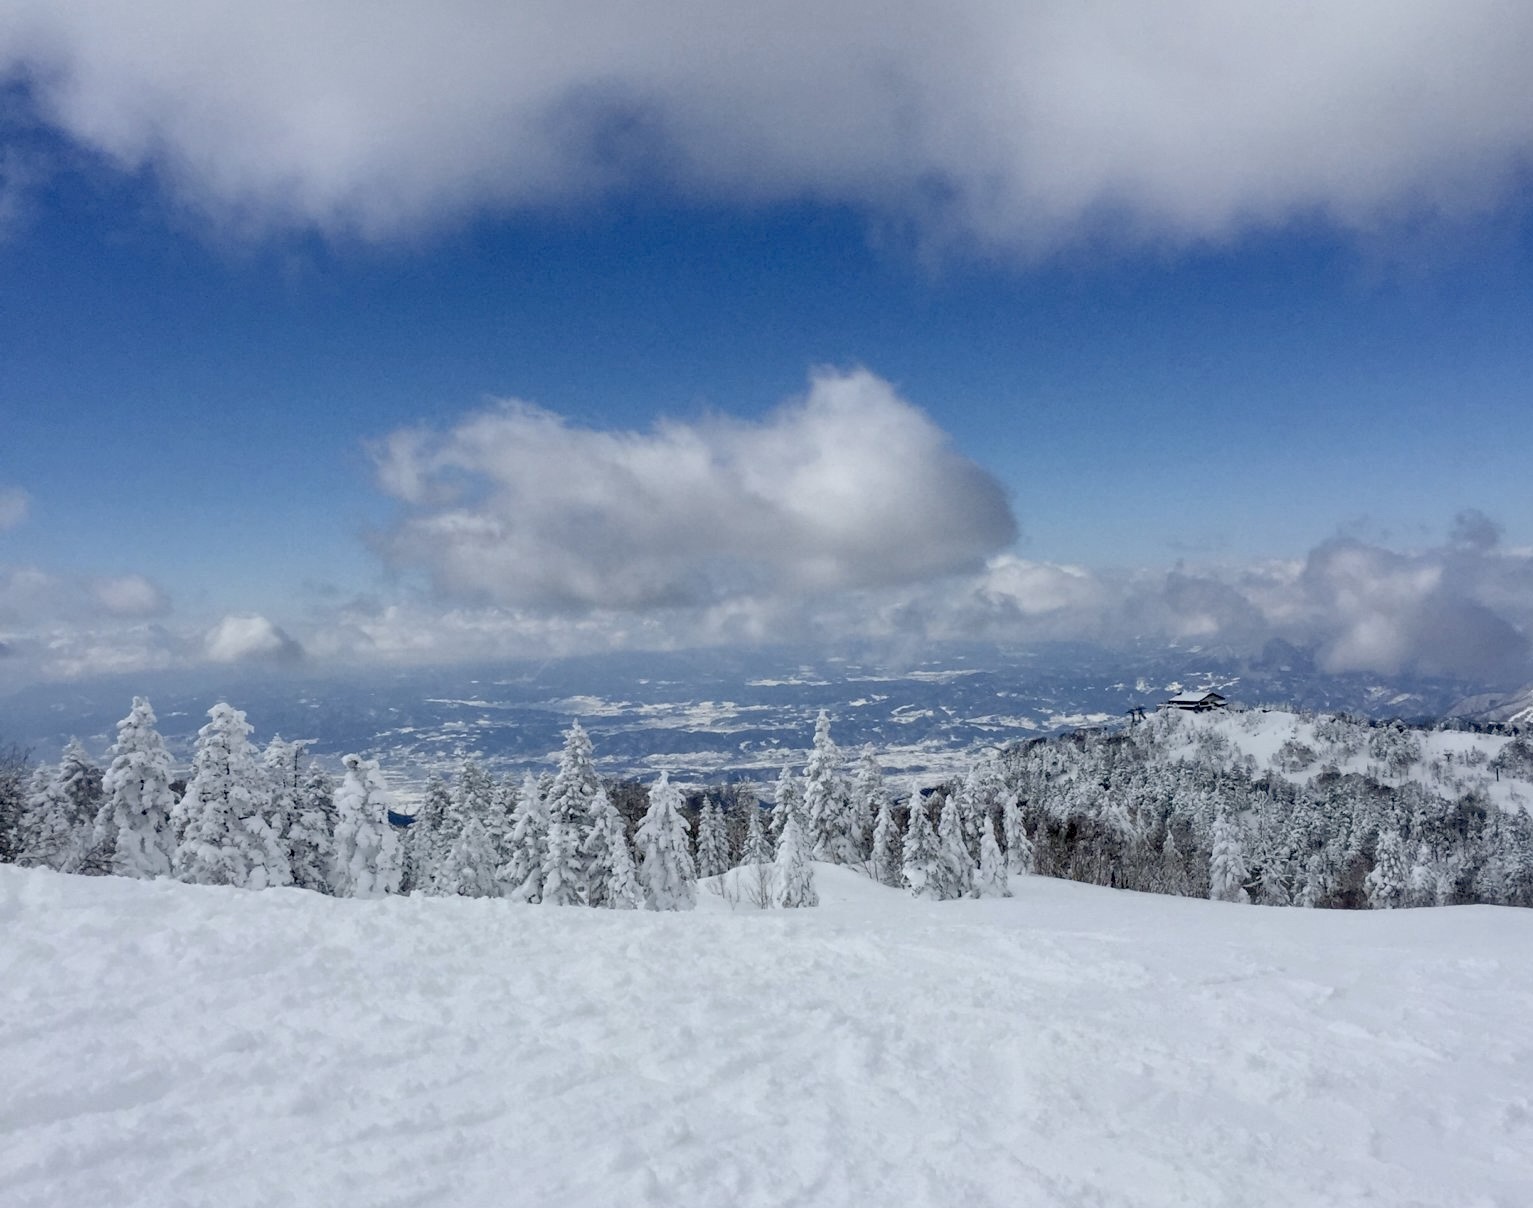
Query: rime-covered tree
{"points": [[366, 848], [1021, 859], [869, 797], [468, 871], [789, 800], [666, 872], [228, 838], [133, 823], [59, 829], [473, 797], [886, 838], [14, 771], [1227, 863], [920, 866], [563, 873], [610, 878], [283, 764], [792, 871], [1389, 880], [569, 800], [757, 850], [712, 840], [827, 799], [991, 881], [522, 873], [311, 838], [425, 845], [956, 867]]}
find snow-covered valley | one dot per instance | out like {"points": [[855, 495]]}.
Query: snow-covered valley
{"points": [[169, 1044]]}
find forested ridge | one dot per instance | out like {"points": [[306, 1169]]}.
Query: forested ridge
{"points": [[1265, 806]]}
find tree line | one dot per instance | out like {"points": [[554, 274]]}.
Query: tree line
{"points": [[1167, 806]]}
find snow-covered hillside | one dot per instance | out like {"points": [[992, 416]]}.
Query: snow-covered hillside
{"points": [[166, 1044], [1299, 747]]}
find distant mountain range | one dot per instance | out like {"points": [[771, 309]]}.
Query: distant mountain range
{"points": [[718, 713]]}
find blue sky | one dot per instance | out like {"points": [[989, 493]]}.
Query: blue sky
{"points": [[1274, 340]]}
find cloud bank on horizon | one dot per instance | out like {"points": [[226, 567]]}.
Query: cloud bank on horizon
{"points": [[844, 515], [1018, 125]]}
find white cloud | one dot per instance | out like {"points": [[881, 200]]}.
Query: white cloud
{"points": [[130, 596], [250, 638], [848, 488], [14, 505], [1016, 121]]}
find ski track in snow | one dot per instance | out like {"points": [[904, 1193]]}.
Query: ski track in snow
{"points": [[174, 1045]]}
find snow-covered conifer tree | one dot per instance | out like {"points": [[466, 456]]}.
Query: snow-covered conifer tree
{"points": [[283, 765], [792, 872], [991, 881], [366, 848], [568, 802], [827, 799], [885, 859], [227, 838], [468, 870], [59, 830], [757, 849], [789, 800], [522, 873], [610, 878], [425, 852], [1227, 863], [956, 868], [311, 838], [134, 818], [712, 840], [921, 864], [666, 872], [869, 797], [1021, 860], [563, 873], [1389, 881]]}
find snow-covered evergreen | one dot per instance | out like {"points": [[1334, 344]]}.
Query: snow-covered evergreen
{"points": [[469, 867], [666, 871], [789, 799], [955, 868], [991, 880], [757, 849], [522, 873], [311, 838], [1227, 865], [712, 840], [1020, 857], [367, 863], [1389, 880], [611, 881], [792, 872], [133, 823], [827, 799], [885, 858], [59, 829], [921, 861], [228, 838]]}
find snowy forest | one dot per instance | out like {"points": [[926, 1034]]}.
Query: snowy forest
{"points": [[1267, 807]]}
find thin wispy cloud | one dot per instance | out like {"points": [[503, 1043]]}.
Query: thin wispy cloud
{"points": [[1018, 124], [15, 503]]}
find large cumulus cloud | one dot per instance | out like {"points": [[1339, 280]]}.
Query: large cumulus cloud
{"points": [[1014, 121], [847, 488]]}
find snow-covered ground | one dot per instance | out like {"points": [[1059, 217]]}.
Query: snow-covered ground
{"points": [[164, 1045]]}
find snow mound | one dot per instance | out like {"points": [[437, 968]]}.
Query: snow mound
{"points": [[167, 1044]]}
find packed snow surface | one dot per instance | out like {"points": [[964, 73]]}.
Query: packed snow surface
{"points": [[165, 1044]]}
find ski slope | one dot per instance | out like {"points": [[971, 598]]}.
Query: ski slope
{"points": [[172, 1045]]}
